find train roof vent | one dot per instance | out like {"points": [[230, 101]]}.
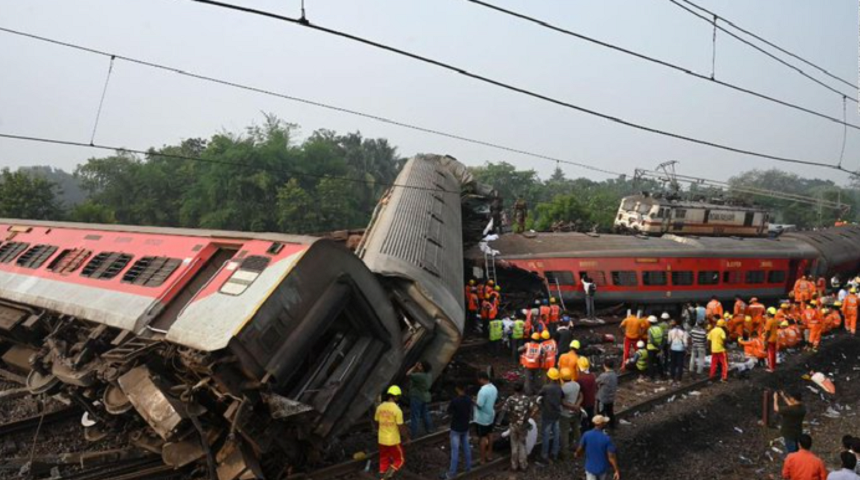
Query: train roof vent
{"points": [[36, 256], [69, 260], [151, 271], [106, 265], [10, 250]]}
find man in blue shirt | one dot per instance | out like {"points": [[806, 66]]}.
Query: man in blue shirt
{"points": [[485, 416], [599, 452]]}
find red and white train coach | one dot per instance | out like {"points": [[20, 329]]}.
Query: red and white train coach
{"points": [[674, 269]]}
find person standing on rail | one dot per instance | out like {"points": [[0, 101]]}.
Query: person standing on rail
{"points": [[717, 337], [554, 316], [549, 399], [485, 416], [588, 387], [590, 289], [571, 406], [599, 452], [607, 388], [678, 340], [420, 380], [391, 432], [771, 338], [698, 348], [518, 408], [714, 307], [460, 410], [631, 327], [530, 359], [849, 311], [655, 348]]}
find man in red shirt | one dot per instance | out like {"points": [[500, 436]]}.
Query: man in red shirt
{"points": [[803, 464]]}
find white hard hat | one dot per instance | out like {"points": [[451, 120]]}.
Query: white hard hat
{"points": [[665, 316], [640, 344], [652, 319]]}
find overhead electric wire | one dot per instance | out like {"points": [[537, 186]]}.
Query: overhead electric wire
{"points": [[315, 103], [773, 45], [758, 48], [155, 153], [664, 63], [511, 87]]}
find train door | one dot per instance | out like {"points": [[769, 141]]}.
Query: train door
{"points": [[748, 219]]}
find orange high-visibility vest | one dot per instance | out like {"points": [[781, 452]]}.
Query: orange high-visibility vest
{"points": [[549, 352], [554, 313], [530, 358], [544, 314]]}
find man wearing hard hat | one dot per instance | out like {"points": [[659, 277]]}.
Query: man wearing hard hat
{"points": [[389, 420]]}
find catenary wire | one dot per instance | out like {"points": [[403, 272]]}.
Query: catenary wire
{"points": [[102, 100], [155, 153], [315, 103], [758, 48], [773, 45], [514, 88], [664, 63]]}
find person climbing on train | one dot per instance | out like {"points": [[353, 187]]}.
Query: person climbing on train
{"points": [[655, 348], [698, 348], [570, 360], [554, 316], [530, 359], [496, 331], [391, 432], [631, 327], [756, 310], [714, 307], [548, 351], [518, 336], [849, 310], [771, 338], [638, 362], [589, 288], [717, 338]]}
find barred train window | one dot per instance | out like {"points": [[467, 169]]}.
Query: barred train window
{"points": [[36, 256], [106, 265], [151, 271], [69, 260], [10, 250], [625, 279]]}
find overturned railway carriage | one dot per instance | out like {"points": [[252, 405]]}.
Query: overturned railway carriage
{"points": [[277, 339], [674, 269]]}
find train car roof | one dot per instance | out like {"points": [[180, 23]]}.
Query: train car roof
{"points": [[543, 245], [837, 245]]}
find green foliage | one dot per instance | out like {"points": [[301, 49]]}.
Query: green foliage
{"points": [[27, 196]]}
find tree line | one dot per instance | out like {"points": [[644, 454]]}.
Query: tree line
{"points": [[266, 179]]}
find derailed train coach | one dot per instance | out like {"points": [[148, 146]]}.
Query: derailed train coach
{"points": [[248, 351]]}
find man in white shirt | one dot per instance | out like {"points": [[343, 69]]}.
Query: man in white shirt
{"points": [[589, 288]]}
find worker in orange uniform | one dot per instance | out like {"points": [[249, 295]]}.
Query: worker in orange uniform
{"points": [[488, 312], [554, 316], [782, 313], [740, 307], [802, 291], [813, 321], [570, 360], [531, 362], [714, 307], [468, 289], [833, 319], [827, 321], [632, 333], [548, 351], [735, 324], [849, 310], [821, 287], [756, 311], [717, 338], [543, 311], [771, 338], [473, 303], [533, 323], [392, 431], [489, 287]]}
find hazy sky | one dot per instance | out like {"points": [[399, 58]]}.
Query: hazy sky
{"points": [[51, 91]]}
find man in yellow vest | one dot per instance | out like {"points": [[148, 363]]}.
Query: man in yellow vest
{"points": [[496, 331], [518, 335], [655, 348], [389, 421]]}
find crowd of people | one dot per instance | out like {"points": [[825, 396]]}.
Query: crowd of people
{"points": [[561, 401]]}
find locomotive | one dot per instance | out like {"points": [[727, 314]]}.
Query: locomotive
{"points": [[246, 351], [650, 215], [674, 269]]}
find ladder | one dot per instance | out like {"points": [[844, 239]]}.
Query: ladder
{"points": [[490, 267]]}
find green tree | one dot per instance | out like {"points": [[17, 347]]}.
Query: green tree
{"points": [[28, 197]]}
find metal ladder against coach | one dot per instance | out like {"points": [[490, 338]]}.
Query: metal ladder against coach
{"points": [[490, 267]]}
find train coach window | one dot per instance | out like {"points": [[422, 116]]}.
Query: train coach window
{"points": [[596, 276], [10, 250], [69, 260], [776, 276], [709, 277], [151, 271], [755, 276], [559, 276], [682, 278], [733, 277], [625, 279], [106, 265], [654, 277], [251, 268], [680, 213], [36, 256]]}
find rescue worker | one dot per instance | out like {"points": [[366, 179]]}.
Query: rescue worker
{"points": [[740, 307], [533, 323], [488, 312], [543, 311], [821, 286], [531, 361], [736, 324], [496, 296], [717, 337], [815, 323], [849, 310], [834, 318], [655, 348], [714, 307], [490, 287], [569, 361], [554, 316], [638, 362], [496, 331], [469, 287], [803, 290], [771, 338], [564, 334], [782, 313], [754, 352], [518, 335], [631, 327], [756, 311], [548, 351], [472, 302], [389, 421], [748, 329]]}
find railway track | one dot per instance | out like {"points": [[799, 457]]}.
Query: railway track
{"points": [[128, 469], [32, 423]]}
